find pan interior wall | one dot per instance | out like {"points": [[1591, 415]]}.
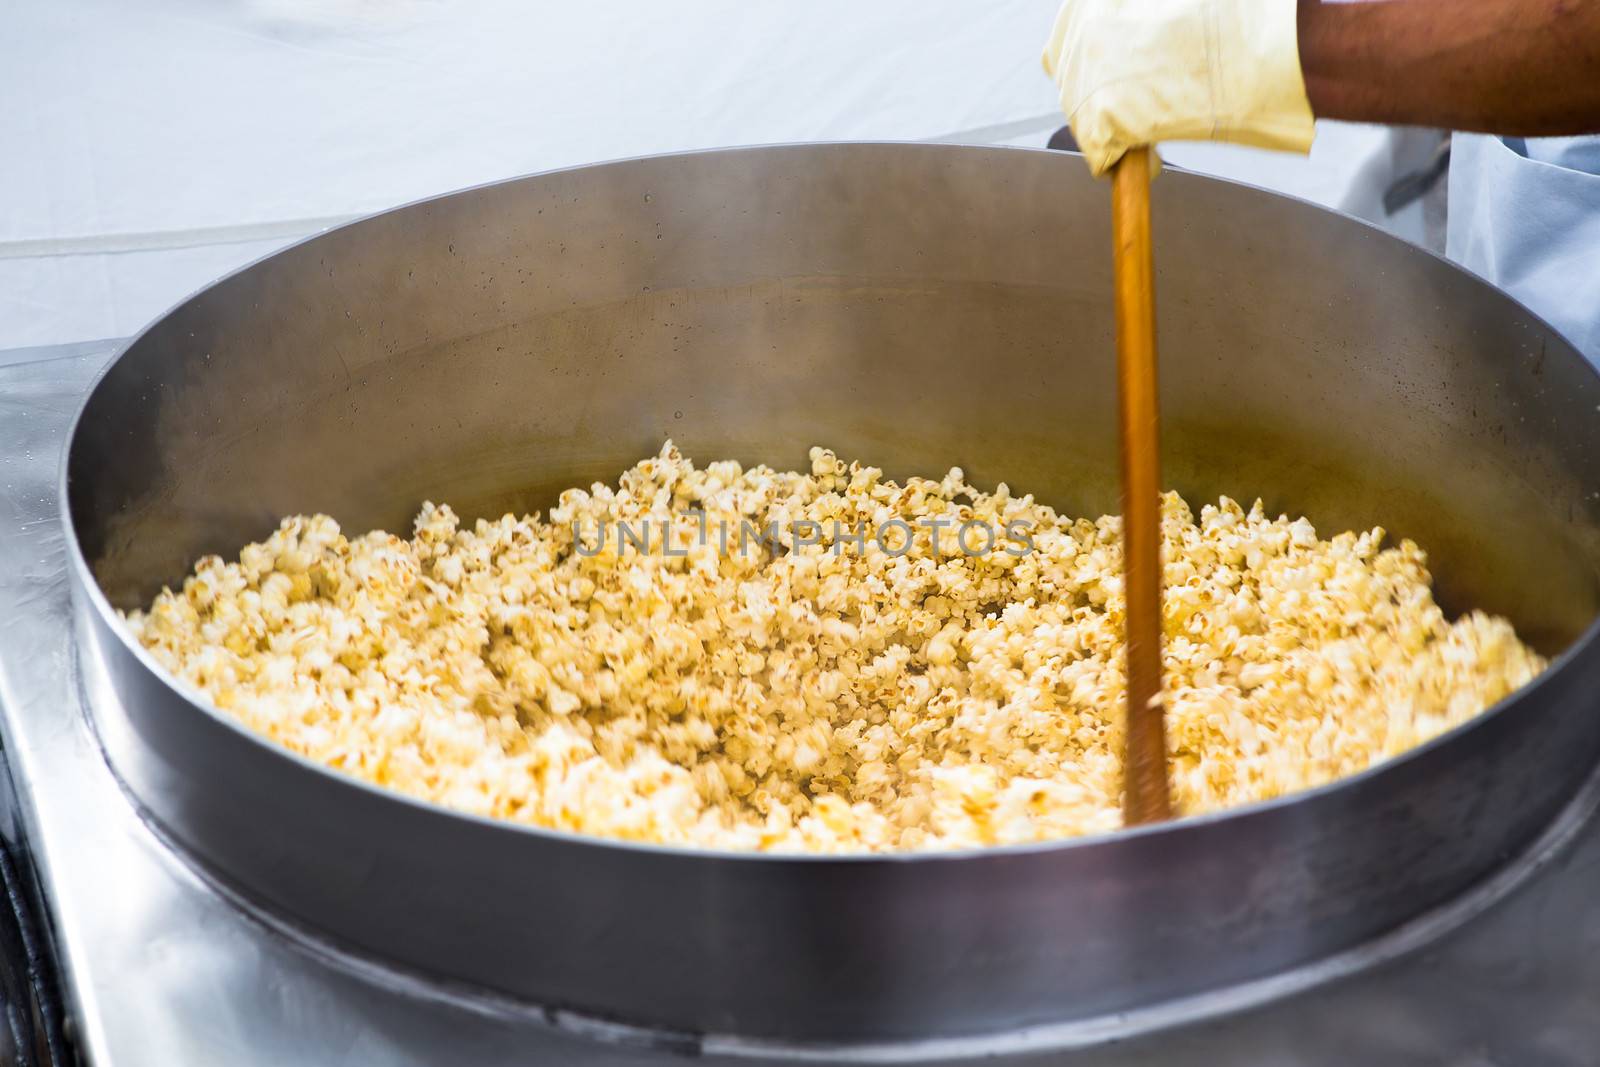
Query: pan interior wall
{"points": [[491, 349]]}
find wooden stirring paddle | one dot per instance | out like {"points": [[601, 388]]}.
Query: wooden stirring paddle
{"points": [[1145, 793]]}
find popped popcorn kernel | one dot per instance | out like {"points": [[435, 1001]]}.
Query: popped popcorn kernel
{"points": [[732, 658]]}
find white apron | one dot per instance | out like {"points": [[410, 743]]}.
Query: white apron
{"points": [[1525, 214]]}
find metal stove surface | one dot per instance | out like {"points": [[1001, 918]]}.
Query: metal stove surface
{"points": [[161, 968]]}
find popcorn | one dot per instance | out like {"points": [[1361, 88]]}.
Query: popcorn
{"points": [[820, 690]]}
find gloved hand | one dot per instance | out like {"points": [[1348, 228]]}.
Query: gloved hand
{"points": [[1138, 72]]}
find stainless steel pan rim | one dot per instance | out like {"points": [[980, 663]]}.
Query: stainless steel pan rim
{"points": [[740, 1002], [109, 614]]}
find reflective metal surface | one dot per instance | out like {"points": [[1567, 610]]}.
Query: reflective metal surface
{"points": [[163, 970], [919, 306]]}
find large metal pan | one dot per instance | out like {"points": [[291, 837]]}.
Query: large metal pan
{"points": [[917, 306]]}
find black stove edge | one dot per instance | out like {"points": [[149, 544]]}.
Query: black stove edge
{"points": [[37, 1027]]}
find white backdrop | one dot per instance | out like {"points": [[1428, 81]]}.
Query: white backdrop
{"points": [[148, 145]]}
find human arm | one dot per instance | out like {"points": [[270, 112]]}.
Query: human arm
{"points": [[1135, 72], [1522, 67]]}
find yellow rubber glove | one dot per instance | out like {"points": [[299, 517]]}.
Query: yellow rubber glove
{"points": [[1138, 72]]}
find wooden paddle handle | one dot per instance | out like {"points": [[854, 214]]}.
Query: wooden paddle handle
{"points": [[1145, 789]]}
